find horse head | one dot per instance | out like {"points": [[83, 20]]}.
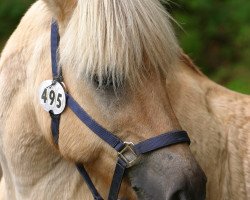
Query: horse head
{"points": [[115, 57]]}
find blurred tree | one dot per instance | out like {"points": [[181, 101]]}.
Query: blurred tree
{"points": [[216, 35]]}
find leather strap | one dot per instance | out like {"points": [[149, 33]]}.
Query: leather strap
{"points": [[88, 181], [117, 179], [105, 135], [55, 122], [167, 139], [55, 39]]}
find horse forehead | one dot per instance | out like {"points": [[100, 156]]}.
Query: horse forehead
{"points": [[103, 42]]}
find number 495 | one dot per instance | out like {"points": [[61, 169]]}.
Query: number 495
{"points": [[52, 97]]}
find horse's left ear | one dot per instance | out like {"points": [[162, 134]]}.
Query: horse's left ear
{"points": [[61, 9]]}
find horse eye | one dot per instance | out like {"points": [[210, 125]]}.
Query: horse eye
{"points": [[105, 82]]}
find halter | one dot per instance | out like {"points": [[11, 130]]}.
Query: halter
{"points": [[128, 153]]}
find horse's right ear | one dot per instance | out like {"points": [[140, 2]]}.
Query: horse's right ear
{"points": [[61, 9]]}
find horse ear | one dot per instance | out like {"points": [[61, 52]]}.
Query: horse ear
{"points": [[61, 9]]}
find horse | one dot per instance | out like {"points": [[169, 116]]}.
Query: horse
{"points": [[122, 63], [118, 78]]}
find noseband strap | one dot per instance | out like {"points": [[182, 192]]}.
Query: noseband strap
{"points": [[128, 153]]}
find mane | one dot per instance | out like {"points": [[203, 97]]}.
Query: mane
{"points": [[121, 39]]}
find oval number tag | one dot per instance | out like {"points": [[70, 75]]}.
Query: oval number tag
{"points": [[52, 97]]}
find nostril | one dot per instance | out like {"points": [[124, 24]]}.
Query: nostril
{"points": [[136, 189], [179, 195], [188, 187]]}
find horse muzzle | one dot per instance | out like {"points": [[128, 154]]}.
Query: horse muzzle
{"points": [[168, 175]]}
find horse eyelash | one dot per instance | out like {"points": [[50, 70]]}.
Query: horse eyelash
{"points": [[107, 82]]}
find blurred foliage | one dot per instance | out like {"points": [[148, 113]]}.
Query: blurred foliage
{"points": [[216, 34], [11, 12]]}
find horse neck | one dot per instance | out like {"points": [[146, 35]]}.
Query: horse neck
{"points": [[216, 120]]}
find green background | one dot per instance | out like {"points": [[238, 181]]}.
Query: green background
{"points": [[214, 33]]}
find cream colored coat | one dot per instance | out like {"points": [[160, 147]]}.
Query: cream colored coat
{"points": [[217, 119]]}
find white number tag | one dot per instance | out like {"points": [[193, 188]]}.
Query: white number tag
{"points": [[52, 97]]}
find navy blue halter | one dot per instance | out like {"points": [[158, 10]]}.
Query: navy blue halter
{"points": [[128, 153]]}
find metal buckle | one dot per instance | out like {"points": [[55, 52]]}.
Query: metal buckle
{"points": [[128, 155]]}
